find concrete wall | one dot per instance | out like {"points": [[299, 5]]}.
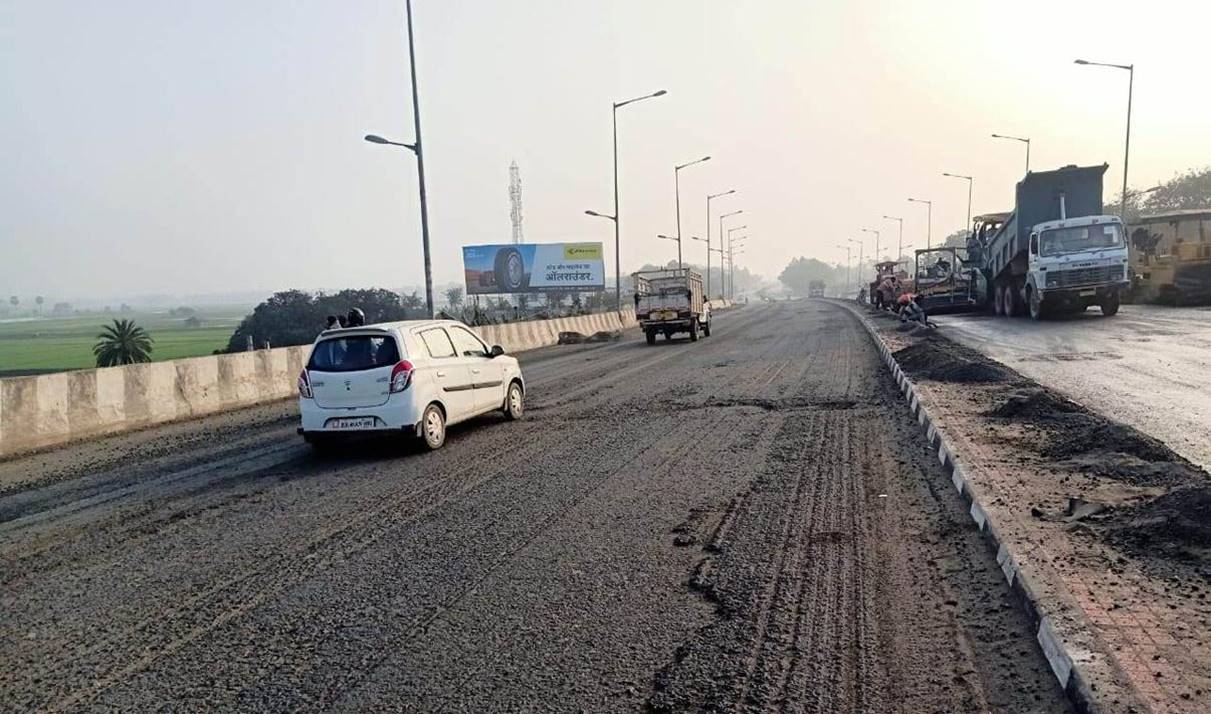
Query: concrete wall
{"points": [[53, 409]]}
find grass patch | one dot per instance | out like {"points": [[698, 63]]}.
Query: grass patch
{"points": [[56, 344]]}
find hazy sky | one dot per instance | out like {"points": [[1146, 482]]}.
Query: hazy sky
{"points": [[209, 146]]}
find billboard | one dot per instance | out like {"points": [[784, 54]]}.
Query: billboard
{"points": [[533, 267]]}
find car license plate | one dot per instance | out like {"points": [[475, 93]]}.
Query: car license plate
{"points": [[352, 423], [1087, 293]]}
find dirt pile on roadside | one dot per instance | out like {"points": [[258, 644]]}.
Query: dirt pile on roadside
{"points": [[945, 361], [1175, 524], [1033, 403], [1079, 440]]}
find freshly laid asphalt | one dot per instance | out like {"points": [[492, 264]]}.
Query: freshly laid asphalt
{"points": [[746, 523], [1145, 367]]}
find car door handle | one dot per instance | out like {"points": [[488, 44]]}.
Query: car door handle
{"points": [[475, 371], [441, 374]]}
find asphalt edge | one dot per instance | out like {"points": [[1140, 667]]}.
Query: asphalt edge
{"points": [[1065, 661]]}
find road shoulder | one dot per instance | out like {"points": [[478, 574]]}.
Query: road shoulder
{"points": [[1102, 530]]}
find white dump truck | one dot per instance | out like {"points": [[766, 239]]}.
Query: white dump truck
{"points": [[671, 301]]}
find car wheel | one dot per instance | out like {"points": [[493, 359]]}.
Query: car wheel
{"points": [[321, 446], [1110, 305], [433, 427], [515, 404]]}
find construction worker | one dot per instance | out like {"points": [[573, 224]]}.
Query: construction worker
{"points": [[910, 309]]}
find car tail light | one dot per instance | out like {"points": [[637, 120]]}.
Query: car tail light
{"points": [[304, 385], [401, 376]]}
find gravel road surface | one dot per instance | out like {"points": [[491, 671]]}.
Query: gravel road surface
{"points": [[745, 523], [1145, 367]]}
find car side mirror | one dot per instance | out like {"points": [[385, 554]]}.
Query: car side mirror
{"points": [[496, 351]]}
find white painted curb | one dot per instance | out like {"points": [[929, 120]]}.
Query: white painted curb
{"points": [[1062, 660]]}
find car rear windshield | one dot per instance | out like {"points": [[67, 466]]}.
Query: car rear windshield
{"points": [[353, 353]]}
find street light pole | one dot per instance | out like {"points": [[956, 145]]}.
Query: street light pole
{"points": [[722, 277], [677, 190], [731, 263], [929, 221], [900, 244], [708, 237], [1127, 146], [416, 148], [861, 251], [731, 283], [1018, 138], [848, 257], [970, 181], [872, 230], [661, 236], [617, 249]]}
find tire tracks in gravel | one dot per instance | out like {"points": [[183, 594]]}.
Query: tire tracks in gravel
{"points": [[240, 592], [288, 569], [818, 610], [686, 435]]}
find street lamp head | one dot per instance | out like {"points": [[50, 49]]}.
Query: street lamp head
{"points": [[1081, 61], [376, 139], [893, 218], [659, 93]]}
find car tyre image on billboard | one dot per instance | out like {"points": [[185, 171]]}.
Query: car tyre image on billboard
{"points": [[511, 275], [531, 267]]}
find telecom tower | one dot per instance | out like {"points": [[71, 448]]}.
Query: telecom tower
{"points": [[515, 202]]}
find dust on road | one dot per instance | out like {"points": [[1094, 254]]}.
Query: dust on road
{"points": [[747, 523]]}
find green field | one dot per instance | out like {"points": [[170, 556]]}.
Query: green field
{"points": [[55, 344]]}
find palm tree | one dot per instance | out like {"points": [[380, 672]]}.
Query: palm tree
{"points": [[123, 342]]}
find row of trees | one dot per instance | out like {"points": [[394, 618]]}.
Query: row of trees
{"points": [[1182, 192], [294, 317]]}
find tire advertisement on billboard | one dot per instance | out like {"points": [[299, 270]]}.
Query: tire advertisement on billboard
{"points": [[533, 267]]}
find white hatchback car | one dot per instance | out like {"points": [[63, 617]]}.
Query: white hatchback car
{"points": [[416, 377]]}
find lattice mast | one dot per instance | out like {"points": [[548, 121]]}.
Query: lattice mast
{"points": [[515, 202]]}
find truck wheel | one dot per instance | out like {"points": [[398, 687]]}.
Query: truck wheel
{"points": [[693, 330], [1110, 305], [651, 336], [1036, 304]]}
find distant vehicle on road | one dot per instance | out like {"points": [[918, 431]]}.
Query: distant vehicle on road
{"points": [[1171, 257], [413, 378], [671, 301], [816, 288]]}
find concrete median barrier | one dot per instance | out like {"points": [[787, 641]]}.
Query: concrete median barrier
{"points": [[52, 409]]}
